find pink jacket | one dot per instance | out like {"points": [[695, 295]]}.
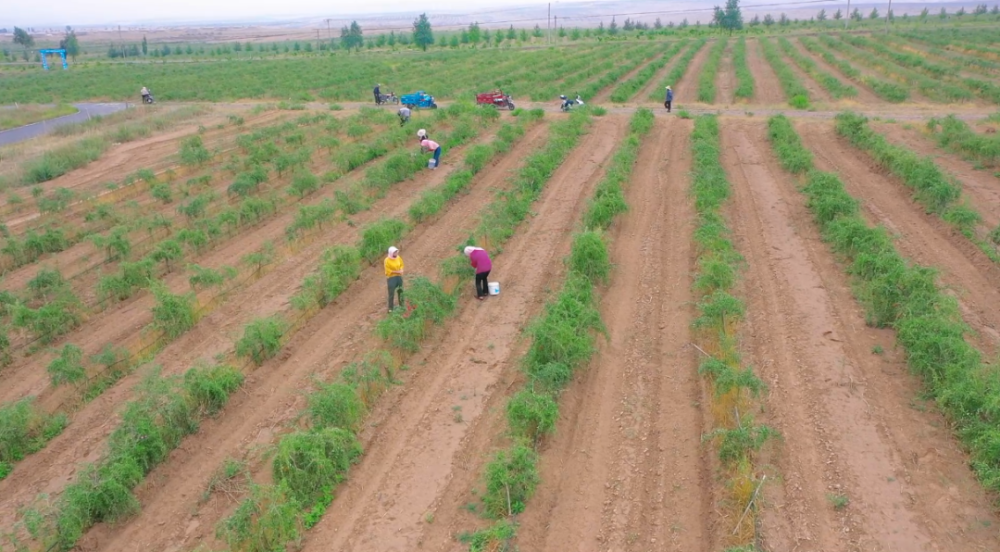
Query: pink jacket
{"points": [[480, 260]]}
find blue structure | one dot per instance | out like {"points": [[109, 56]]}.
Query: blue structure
{"points": [[45, 53], [418, 99]]}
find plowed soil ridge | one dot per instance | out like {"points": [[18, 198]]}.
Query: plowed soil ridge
{"points": [[338, 335], [657, 81], [767, 88], [605, 94], [49, 469], [626, 469], [429, 442], [845, 416], [725, 80], [686, 88], [865, 94], [921, 237]]}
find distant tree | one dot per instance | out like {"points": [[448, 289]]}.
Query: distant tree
{"points": [[600, 29], [391, 39], [839, 15], [873, 14], [943, 14], [730, 18], [684, 24], [178, 51], [523, 35], [981, 9], [70, 43], [562, 32], [995, 10], [487, 37], [657, 24], [296, 46], [856, 14], [145, 46], [891, 15], [133, 50], [511, 33], [24, 39], [613, 27], [755, 21], [537, 32], [248, 47], [308, 46], [442, 41], [960, 12], [381, 40], [575, 34], [783, 20], [189, 50], [821, 16], [628, 25], [454, 42], [423, 36], [475, 34], [924, 13], [165, 50], [351, 37], [463, 36], [404, 39], [237, 47]]}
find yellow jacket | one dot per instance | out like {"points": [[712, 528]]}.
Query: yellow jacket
{"points": [[393, 264]]}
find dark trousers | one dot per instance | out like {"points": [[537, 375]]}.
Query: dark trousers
{"points": [[437, 157], [667, 105], [395, 286], [482, 288], [378, 100]]}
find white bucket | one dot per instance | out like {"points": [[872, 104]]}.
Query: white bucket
{"points": [[431, 163], [494, 288]]}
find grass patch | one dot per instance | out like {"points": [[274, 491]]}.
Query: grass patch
{"points": [[25, 429], [706, 80], [798, 96], [744, 78]]}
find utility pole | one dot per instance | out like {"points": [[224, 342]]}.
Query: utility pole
{"points": [[887, 14], [120, 39], [847, 20], [317, 40], [555, 25], [328, 35], [548, 25]]}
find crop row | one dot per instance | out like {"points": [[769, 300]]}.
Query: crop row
{"points": [[951, 132], [938, 46], [733, 387], [562, 342], [706, 80], [563, 78], [73, 512], [797, 94], [277, 514], [744, 78], [938, 192], [627, 89], [679, 68], [905, 297], [831, 83], [886, 90], [934, 88], [633, 59]]}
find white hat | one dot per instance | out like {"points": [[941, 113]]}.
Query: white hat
{"points": [[393, 251], [421, 133]]}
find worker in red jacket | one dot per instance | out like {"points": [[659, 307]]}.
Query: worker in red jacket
{"points": [[480, 260]]}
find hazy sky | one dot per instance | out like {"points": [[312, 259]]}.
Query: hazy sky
{"points": [[89, 12]]}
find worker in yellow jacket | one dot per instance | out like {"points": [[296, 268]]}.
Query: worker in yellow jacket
{"points": [[394, 276]]}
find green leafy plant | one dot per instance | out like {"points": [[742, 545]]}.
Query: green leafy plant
{"points": [[68, 366], [173, 314], [261, 339]]}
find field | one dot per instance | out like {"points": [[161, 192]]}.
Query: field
{"points": [[765, 321]]}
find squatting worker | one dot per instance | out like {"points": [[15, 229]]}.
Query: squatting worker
{"points": [[394, 276], [404, 115], [378, 95], [430, 145], [480, 260], [670, 99], [144, 93]]}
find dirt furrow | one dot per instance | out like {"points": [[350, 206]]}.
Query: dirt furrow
{"points": [[47, 470], [846, 415], [605, 94], [816, 92], [865, 95], [626, 468], [432, 439], [656, 82], [686, 88], [921, 237], [338, 335], [767, 88], [725, 80], [981, 186]]}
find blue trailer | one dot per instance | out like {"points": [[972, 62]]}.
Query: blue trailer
{"points": [[418, 99]]}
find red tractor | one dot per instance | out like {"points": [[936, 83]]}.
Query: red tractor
{"points": [[496, 98]]}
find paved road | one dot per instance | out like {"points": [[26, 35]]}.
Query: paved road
{"points": [[87, 110]]}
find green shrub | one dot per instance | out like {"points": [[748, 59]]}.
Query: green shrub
{"points": [[60, 161], [261, 339], [564, 332], [209, 388], [428, 304], [266, 521], [531, 414], [378, 236], [193, 151], [339, 267], [335, 405], [496, 537], [130, 278], [25, 428], [307, 462], [49, 321], [68, 366], [589, 256], [798, 96], [173, 314], [511, 478]]}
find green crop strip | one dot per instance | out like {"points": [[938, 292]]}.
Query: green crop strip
{"points": [[562, 341], [25, 429], [886, 90], [627, 89], [734, 388], [680, 67], [905, 297], [706, 80], [311, 462], [833, 85], [744, 78], [636, 59], [955, 134], [798, 96], [938, 192]]}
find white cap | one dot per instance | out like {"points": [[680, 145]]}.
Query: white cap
{"points": [[392, 251], [421, 133]]}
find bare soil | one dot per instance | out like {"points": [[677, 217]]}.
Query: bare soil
{"points": [[766, 88], [847, 417], [686, 89], [865, 94], [725, 81]]}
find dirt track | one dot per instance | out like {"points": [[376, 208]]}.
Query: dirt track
{"points": [[766, 88]]}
